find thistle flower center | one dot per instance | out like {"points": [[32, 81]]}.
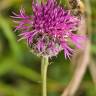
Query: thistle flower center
{"points": [[49, 29]]}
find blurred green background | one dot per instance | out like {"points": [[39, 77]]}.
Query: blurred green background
{"points": [[20, 69]]}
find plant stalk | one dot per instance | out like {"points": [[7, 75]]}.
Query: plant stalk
{"points": [[44, 67]]}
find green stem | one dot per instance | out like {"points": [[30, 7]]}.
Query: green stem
{"points": [[44, 66], [68, 4]]}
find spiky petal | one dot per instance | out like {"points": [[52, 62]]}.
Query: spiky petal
{"points": [[49, 29]]}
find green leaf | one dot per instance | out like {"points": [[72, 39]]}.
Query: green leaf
{"points": [[10, 36]]}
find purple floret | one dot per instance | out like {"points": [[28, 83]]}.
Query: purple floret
{"points": [[49, 30]]}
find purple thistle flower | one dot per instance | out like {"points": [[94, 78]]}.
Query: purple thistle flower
{"points": [[49, 29]]}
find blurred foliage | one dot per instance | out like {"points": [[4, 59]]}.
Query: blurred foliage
{"points": [[20, 69]]}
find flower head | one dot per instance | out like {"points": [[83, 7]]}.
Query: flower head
{"points": [[49, 29]]}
